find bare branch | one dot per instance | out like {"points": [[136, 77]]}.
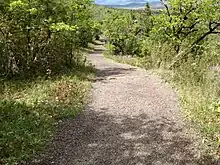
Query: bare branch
{"points": [[167, 9]]}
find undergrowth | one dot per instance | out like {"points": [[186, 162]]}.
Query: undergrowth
{"points": [[31, 109]]}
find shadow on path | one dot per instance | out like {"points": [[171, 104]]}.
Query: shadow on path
{"points": [[113, 71], [96, 138]]}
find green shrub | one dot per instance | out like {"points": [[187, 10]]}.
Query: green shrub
{"points": [[36, 39]]}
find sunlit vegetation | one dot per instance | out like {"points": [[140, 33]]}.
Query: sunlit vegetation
{"points": [[182, 44]]}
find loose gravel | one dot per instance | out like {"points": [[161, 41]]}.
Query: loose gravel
{"points": [[133, 119]]}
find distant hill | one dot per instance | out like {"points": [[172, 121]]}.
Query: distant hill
{"points": [[137, 4], [119, 2]]}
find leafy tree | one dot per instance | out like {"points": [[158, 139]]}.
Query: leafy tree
{"points": [[38, 36], [187, 24], [125, 30], [148, 9]]}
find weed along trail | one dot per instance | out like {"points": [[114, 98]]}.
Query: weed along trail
{"points": [[133, 119]]}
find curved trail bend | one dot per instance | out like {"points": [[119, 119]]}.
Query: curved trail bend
{"points": [[133, 119]]}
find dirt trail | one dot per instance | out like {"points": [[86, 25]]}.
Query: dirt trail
{"points": [[133, 119]]}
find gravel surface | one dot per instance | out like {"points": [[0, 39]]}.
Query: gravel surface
{"points": [[133, 119]]}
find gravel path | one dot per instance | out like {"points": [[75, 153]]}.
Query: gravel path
{"points": [[133, 119]]}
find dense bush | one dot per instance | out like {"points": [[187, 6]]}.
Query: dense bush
{"points": [[42, 36]]}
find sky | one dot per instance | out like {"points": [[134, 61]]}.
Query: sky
{"points": [[120, 1]]}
